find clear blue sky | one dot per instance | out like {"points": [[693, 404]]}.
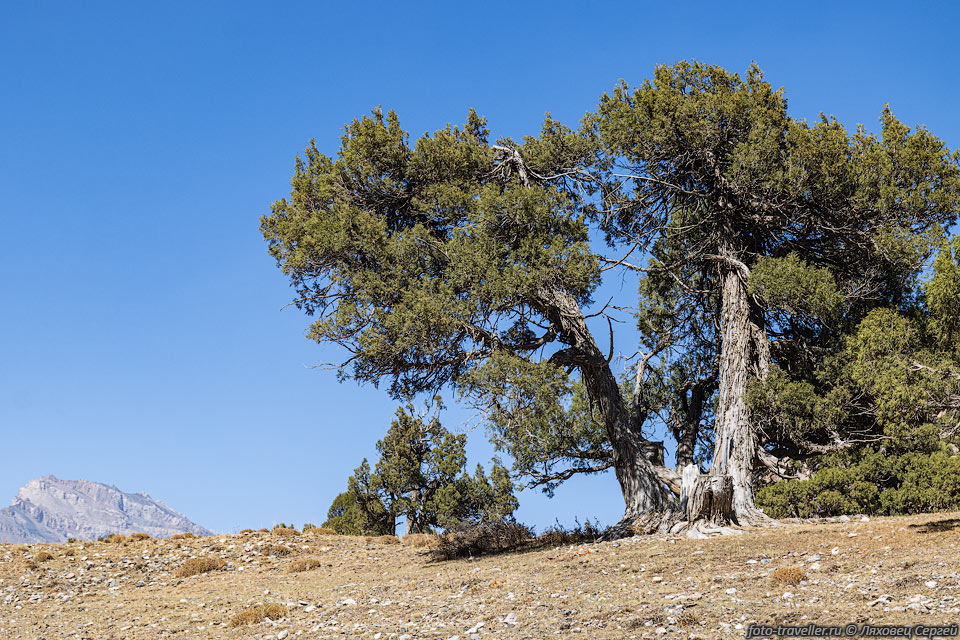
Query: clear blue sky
{"points": [[141, 338]]}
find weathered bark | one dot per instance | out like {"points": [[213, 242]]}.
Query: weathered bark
{"points": [[711, 499], [687, 423], [645, 496], [736, 439]]}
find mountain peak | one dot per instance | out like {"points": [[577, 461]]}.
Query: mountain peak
{"points": [[50, 509]]}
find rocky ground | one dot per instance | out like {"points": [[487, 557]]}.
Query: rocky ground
{"points": [[879, 571]]}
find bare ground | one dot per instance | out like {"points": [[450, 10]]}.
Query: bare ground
{"points": [[888, 571]]}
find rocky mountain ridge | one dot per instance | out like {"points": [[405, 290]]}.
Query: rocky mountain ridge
{"points": [[49, 509]]}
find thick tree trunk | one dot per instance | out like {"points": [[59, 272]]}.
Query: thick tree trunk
{"points": [[687, 424], [413, 522], [736, 440], [647, 500]]}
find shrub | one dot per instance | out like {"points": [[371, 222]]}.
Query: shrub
{"points": [[259, 614], [387, 539], [115, 538], [558, 535], [788, 575], [69, 552], [136, 537], [284, 532], [183, 536], [305, 564], [477, 539], [43, 556], [323, 531], [246, 531], [71, 540], [280, 550], [195, 566], [874, 482]]}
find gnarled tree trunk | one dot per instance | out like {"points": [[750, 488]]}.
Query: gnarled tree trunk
{"points": [[736, 440], [648, 503]]}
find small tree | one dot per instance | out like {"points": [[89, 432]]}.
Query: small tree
{"points": [[421, 475]]}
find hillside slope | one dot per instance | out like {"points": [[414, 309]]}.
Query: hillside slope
{"points": [[882, 571]]}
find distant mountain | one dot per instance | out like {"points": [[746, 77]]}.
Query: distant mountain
{"points": [[49, 509]]}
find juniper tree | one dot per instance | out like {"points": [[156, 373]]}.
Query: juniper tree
{"points": [[421, 474], [451, 262]]}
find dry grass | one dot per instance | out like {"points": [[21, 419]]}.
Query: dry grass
{"points": [[115, 538], [183, 536], [136, 537], [284, 532], [43, 556], [323, 531], [788, 575], [420, 540], [195, 566], [258, 614], [305, 564], [387, 539]]}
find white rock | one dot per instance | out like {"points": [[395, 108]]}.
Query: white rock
{"points": [[656, 579], [930, 584], [731, 591], [283, 634], [834, 551]]}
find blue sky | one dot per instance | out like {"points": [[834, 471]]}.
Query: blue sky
{"points": [[142, 341]]}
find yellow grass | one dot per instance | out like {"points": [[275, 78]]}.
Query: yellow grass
{"points": [[305, 564], [259, 614], [195, 566]]}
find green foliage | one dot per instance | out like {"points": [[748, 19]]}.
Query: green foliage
{"points": [[414, 257], [943, 297], [896, 384], [871, 481], [791, 287], [345, 517]]}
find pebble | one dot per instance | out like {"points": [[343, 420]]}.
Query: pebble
{"points": [[283, 634], [930, 584], [731, 591]]}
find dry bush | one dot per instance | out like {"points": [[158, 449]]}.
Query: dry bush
{"points": [[69, 552], [558, 535], [31, 564], [284, 532], [246, 531], [788, 575], [136, 537], [278, 550], [480, 539], [305, 564], [387, 539], [182, 536], [419, 540], [115, 538], [195, 566], [43, 556], [322, 531], [259, 614]]}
